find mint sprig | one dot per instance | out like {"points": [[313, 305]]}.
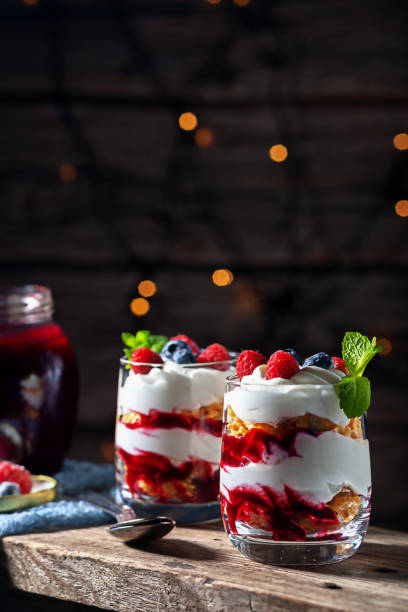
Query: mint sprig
{"points": [[354, 391], [142, 339]]}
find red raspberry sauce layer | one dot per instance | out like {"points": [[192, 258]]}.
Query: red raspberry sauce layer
{"points": [[280, 513], [156, 471], [256, 444], [167, 420]]}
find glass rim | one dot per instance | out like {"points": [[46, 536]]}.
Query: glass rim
{"points": [[124, 361]]}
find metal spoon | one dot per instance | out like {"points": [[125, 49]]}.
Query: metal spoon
{"points": [[130, 528]]}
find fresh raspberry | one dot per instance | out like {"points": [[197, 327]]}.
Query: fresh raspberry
{"points": [[281, 365], [144, 355], [247, 361], [11, 472], [195, 349], [340, 365], [215, 352]]}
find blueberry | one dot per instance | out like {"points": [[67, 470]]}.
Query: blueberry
{"points": [[292, 352], [177, 351], [322, 360], [9, 488]]}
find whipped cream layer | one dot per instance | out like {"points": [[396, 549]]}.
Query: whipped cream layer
{"points": [[258, 400], [172, 387], [176, 444], [326, 463]]}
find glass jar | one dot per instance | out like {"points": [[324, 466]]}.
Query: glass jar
{"points": [[295, 490], [38, 381], [168, 439]]}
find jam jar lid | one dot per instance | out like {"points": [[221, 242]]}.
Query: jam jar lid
{"points": [[25, 304]]}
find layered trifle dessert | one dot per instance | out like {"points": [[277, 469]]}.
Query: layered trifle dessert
{"points": [[169, 421], [295, 464]]}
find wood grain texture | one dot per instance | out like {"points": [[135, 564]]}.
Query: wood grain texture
{"points": [[197, 569]]}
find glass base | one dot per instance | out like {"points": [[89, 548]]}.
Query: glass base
{"points": [[296, 553], [183, 514]]}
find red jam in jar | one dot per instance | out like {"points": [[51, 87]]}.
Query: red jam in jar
{"points": [[38, 381]]}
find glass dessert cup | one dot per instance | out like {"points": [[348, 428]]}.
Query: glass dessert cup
{"points": [[294, 490], [168, 439]]}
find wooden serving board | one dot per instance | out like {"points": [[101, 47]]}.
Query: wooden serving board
{"points": [[197, 569]]}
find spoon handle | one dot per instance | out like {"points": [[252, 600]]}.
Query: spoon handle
{"points": [[119, 512]]}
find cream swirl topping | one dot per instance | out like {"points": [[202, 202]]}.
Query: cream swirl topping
{"points": [[258, 400], [172, 387]]}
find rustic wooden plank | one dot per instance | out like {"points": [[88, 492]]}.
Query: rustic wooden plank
{"points": [[198, 569]]}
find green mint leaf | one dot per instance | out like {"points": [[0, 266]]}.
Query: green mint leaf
{"points": [[358, 350], [142, 338], [157, 342], [128, 339], [354, 394], [128, 352]]}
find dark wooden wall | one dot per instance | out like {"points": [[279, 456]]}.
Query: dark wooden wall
{"points": [[314, 243]]}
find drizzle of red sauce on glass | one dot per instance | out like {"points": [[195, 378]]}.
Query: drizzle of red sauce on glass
{"points": [[168, 420], [256, 445], [160, 475], [281, 513]]}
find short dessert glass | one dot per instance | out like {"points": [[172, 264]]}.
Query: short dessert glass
{"points": [[168, 439], [294, 491]]}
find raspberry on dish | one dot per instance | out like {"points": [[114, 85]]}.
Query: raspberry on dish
{"points": [[340, 365], [281, 365], [145, 356], [11, 472], [215, 352], [247, 362], [195, 349]]}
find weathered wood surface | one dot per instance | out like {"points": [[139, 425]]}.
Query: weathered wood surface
{"points": [[197, 569]]}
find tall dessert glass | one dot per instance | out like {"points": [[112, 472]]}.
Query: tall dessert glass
{"points": [[168, 439], [295, 471]]}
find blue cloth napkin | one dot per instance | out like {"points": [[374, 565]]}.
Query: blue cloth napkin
{"points": [[74, 478]]}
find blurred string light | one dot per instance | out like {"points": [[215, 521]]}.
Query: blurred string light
{"points": [[188, 121], [387, 344], [108, 451], [278, 153], [242, 2], [401, 141], [222, 277], [248, 299], [67, 172], [401, 208], [203, 137], [139, 306], [147, 288]]}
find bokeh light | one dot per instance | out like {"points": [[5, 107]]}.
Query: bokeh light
{"points": [[387, 344], [147, 288], [67, 172], [248, 299], [401, 208], [108, 451], [30, 2], [213, 1], [222, 277], [401, 141], [203, 137], [188, 121], [278, 153], [139, 306], [242, 2]]}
